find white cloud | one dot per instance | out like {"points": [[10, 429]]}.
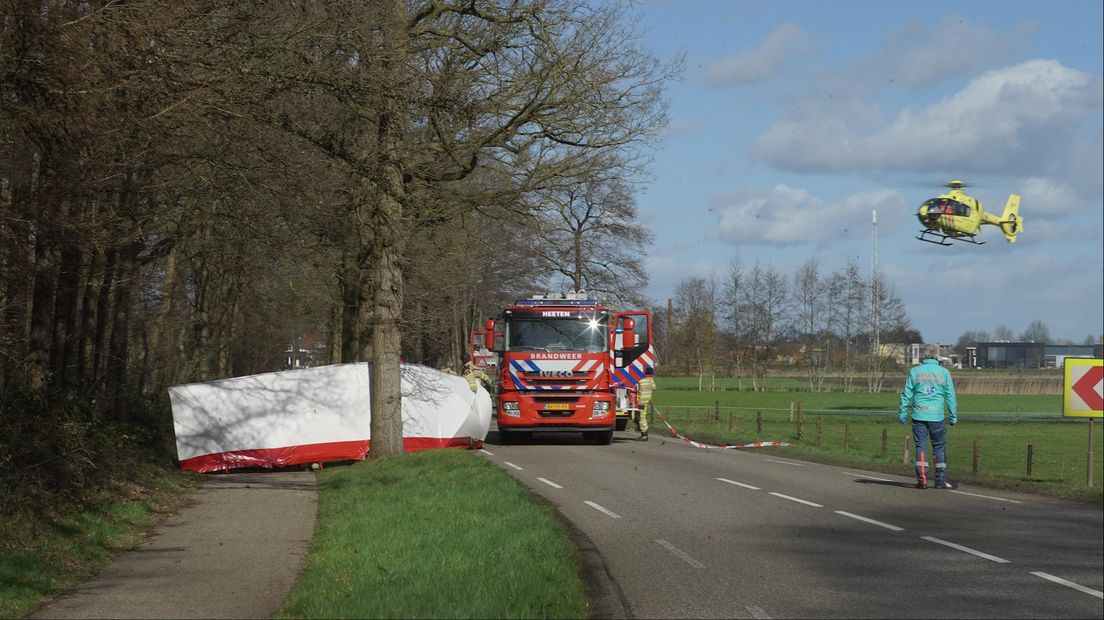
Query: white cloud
{"points": [[784, 215], [758, 65], [917, 57], [955, 48], [1013, 120], [1048, 197]]}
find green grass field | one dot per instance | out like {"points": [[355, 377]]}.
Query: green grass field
{"points": [[683, 391], [435, 534], [1003, 426]]}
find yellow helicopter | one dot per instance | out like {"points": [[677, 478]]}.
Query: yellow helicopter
{"points": [[955, 215]]}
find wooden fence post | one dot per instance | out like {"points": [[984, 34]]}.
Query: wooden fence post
{"points": [[846, 435], [716, 411], [791, 410], [905, 457], [1089, 475], [759, 422], [975, 456], [730, 421], [885, 441], [800, 422], [818, 429], [1030, 459]]}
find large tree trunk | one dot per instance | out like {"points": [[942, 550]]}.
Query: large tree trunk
{"points": [[351, 302], [116, 377], [163, 333], [66, 305], [386, 388], [86, 350], [386, 236], [40, 337], [201, 323]]}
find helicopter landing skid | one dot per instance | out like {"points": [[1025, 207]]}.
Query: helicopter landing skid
{"points": [[941, 239]]}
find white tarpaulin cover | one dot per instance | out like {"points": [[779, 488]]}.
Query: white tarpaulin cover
{"points": [[317, 414]]}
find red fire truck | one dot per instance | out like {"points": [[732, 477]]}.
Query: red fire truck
{"points": [[567, 364]]}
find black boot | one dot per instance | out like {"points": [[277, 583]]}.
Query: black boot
{"points": [[644, 436]]}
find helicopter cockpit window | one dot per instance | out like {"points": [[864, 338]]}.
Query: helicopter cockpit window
{"points": [[946, 206]]}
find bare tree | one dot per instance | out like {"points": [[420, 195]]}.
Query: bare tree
{"points": [[697, 331], [808, 296], [735, 316], [1003, 333], [852, 319], [766, 301], [1037, 331], [589, 234], [970, 338]]}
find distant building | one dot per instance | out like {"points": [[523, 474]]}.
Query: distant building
{"points": [[1054, 355], [1027, 354], [912, 354], [306, 351]]}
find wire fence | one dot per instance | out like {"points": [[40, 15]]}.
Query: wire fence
{"points": [[1037, 451], [719, 411]]}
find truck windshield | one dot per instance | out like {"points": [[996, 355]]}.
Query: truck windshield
{"points": [[545, 334]]}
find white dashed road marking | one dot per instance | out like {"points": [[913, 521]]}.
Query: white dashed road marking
{"points": [[486, 451], [739, 484], [952, 545], [1070, 584], [785, 462], [512, 465], [871, 521], [680, 553], [796, 499], [757, 612], [602, 510], [999, 499], [847, 473], [550, 483]]}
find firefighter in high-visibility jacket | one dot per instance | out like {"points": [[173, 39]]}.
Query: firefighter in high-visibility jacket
{"points": [[475, 375], [643, 400]]}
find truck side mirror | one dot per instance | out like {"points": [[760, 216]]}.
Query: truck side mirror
{"points": [[628, 336], [488, 334]]}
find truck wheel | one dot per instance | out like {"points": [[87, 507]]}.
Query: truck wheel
{"points": [[622, 423], [603, 438]]}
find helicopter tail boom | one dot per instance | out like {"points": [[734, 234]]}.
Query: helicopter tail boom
{"points": [[1011, 224]]}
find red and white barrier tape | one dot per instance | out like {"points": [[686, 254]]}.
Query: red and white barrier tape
{"points": [[709, 446]]}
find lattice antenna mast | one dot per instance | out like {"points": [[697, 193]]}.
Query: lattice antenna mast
{"points": [[874, 327]]}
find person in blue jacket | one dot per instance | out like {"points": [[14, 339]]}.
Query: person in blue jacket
{"points": [[928, 389]]}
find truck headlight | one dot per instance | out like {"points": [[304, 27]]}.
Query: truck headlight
{"points": [[510, 408], [601, 409]]}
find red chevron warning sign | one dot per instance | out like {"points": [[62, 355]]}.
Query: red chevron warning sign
{"points": [[1088, 387], [1083, 395]]}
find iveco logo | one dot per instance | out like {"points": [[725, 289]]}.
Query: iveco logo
{"points": [[556, 373]]}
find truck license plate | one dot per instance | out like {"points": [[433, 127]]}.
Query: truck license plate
{"points": [[558, 406]]}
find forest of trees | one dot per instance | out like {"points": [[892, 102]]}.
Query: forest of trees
{"points": [[186, 187], [756, 316]]}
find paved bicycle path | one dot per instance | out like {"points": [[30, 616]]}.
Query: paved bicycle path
{"points": [[235, 552]]}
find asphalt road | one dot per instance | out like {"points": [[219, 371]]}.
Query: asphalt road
{"points": [[235, 552], [694, 533]]}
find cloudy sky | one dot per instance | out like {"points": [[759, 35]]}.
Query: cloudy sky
{"points": [[795, 120]]}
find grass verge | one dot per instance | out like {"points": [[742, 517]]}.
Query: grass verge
{"points": [[435, 534], [43, 554]]}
